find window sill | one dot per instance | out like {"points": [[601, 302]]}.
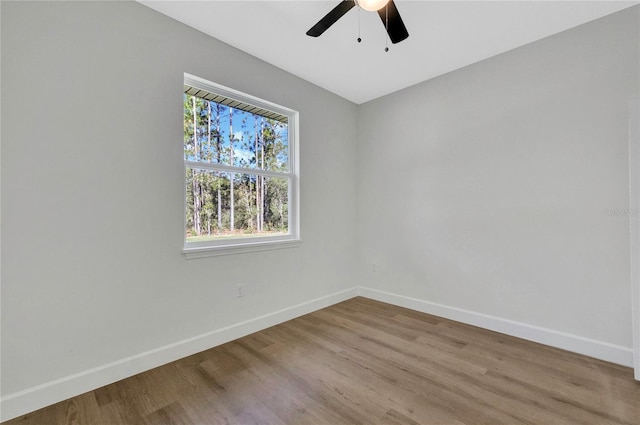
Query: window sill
{"points": [[215, 251]]}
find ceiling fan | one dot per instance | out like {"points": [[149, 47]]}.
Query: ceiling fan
{"points": [[386, 9]]}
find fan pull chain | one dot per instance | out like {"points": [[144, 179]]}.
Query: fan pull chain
{"points": [[359, 39], [386, 27]]}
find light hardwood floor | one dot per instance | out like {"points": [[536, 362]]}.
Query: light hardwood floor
{"points": [[365, 362]]}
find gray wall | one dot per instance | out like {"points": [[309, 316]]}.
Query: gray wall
{"points": [[488, 189], [92, 190]]}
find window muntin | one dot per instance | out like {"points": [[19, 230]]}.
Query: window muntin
{"points": [[240, 168]]}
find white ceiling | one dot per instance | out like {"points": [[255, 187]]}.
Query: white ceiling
{"points": [[443, 36]]}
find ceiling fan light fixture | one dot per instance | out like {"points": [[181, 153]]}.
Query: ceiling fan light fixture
{"points": [[387, 11], [371, 5]]}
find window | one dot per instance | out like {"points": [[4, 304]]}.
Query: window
{"points": [[241, 171]]}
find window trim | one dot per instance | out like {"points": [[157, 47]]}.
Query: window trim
{"points": [[258, 243]]}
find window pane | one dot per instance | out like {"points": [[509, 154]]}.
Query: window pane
{"points": [[233, 205], [221, 134], [274, 148], [208, 210], [275, 201], [207, 126]]}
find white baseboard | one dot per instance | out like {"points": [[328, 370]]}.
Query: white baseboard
{"points": [[22, 402], [576, 344]]}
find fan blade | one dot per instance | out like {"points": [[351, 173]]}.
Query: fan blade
{"points": [[331, 18], [396, 29]]}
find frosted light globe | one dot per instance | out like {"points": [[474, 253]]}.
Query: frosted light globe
{"points": [[371, 5]]}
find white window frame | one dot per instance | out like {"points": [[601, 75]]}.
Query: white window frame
{"points": [[258, 243]]}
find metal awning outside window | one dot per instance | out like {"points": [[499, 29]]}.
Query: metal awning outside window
{"points": [[213, 97]]}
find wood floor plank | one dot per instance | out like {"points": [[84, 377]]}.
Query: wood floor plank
{"points": [[364, 362]]}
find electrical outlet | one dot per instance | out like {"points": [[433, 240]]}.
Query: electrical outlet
{"points": [[374, 267], [240, 290]]}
